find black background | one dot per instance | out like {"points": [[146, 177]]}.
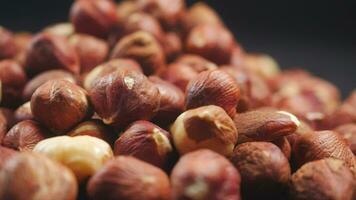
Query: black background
{"points": [[318, 35]]}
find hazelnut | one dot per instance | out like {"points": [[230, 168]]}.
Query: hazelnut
{"points": [[213, 42], [7, 120], [261, 94], [169, 13], [204, 174], [214, 87], [109, 67], [84, 155], [172, 101], [48, 51], [322, 179], [263, 65], [128, 178], [205, 127], [60, 105], [146, 142], [348, 132], [172, 46], [124, 96], [42, 78], [92, 51], [95, 17], [6, 154], [61, 29], [22, 40], [7, 44], [237, 57], [198, 63], [200, 13], [23, 112], [142, 47], [264, 169], [284, 146], [25, 135], [126, 8], [265, 125], [33, 176], [95, 128], [13, 78], [323, 144]]}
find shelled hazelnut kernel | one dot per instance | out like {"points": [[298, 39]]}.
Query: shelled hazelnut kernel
{"points": [[6, 154], [23, 112], [124, 96], [64, 29], [8, 47], [7, 120], [204, 174], [263, 65], [214, 87], [204, 127], [60, 105], [172, 46], [126, 177], [84, 155], [348, 132]]}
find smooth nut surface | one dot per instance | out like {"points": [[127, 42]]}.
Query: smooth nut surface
{"points": [[205, 127], [23, 112], [60, 105], [84, 155], [323, 179], [128, 178], [7, 44], [34, 177], [205, 175]]}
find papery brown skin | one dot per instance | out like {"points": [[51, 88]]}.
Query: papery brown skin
{"points": [[323, 179], [147, 142], [13, 78], [284, 145], [172, 101], [169, 13], [23, 112], [46, 52], [7, 120], [348, 132], [323, 144], [124, 96], [265, 125], [301, 130], [95, 17], [109, 67], [8, 47], [204, 127], [213, 87], [95, 128], [172, 46], [60, 105], [204, 174], [264, 169], [6, 154], [144, 48], [213, 42], [126, 177], [42, 78], [196, 62], [91, 51], [200, 13], [36, 177], [25, 135]]}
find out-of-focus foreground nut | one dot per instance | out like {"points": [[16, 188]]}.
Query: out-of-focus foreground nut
{"points": [[213, 87], [205, 127], [146, 142], [42, 78], [25, 135], [93, 17], [23, 112], [48, 51], [204, 174], [265, 125], [60, 105], [128, 178], [13, 79], [6, 154], [264, 169], [213, 42], [348, 132], [123, 97], [323, 144], [95, 128], [323, 179], [7, 44], [32, 176], [144, 48], [91, 51], [84, 155]]}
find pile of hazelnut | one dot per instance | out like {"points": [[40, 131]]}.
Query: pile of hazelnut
{"points": [[155, 100]]}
